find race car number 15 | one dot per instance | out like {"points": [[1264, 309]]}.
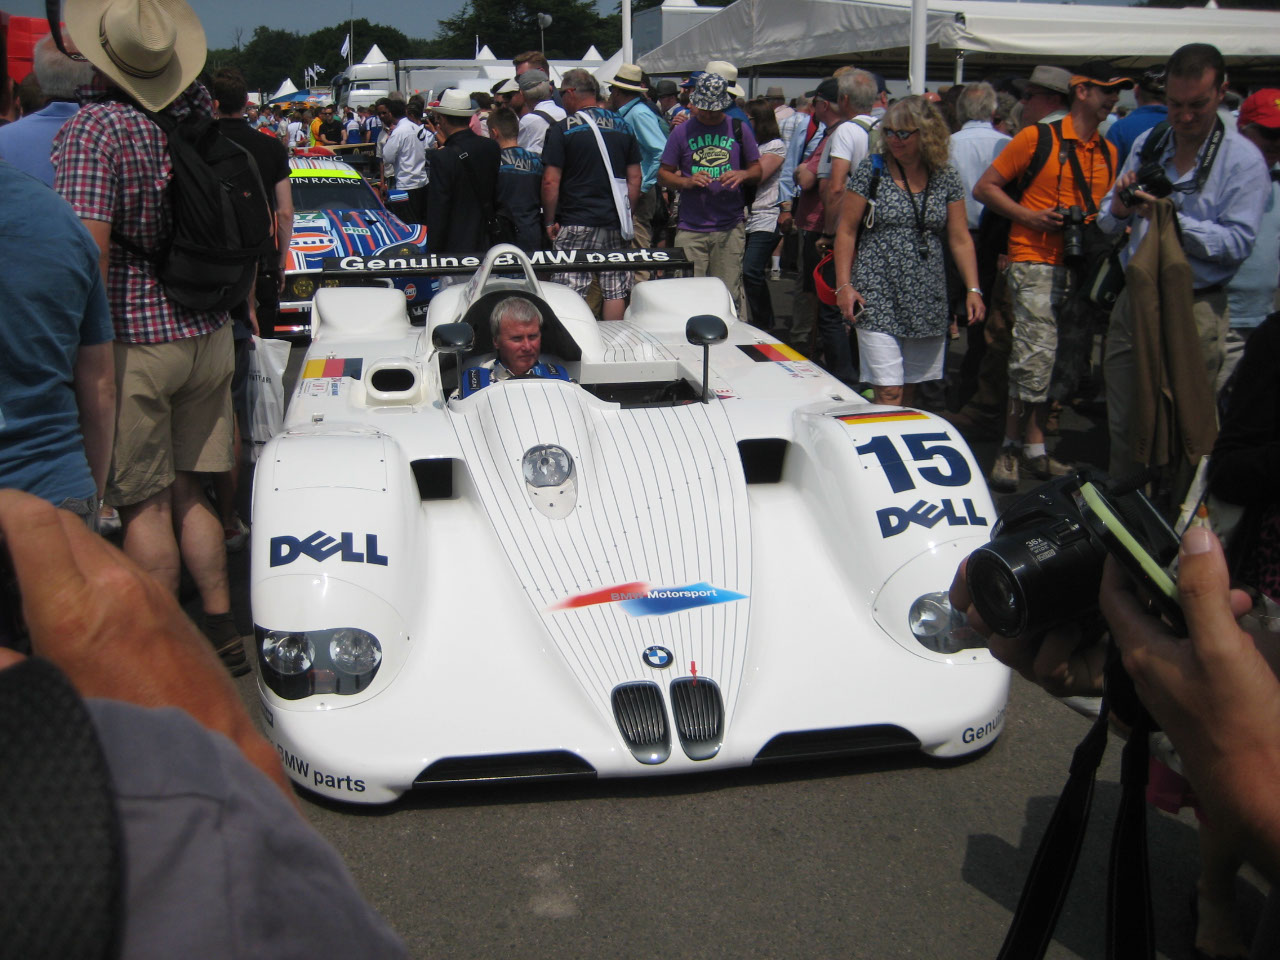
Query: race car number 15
{"points": [[920, 447]]}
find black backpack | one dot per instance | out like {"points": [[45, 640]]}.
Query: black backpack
{"points": [[222, 225]]}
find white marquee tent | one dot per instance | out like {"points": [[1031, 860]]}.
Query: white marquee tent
{"points": [[810, 36]]}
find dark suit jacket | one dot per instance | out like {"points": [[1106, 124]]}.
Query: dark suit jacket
{"points": [[458, 205]]}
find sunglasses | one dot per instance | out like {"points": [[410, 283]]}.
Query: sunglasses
{"points": [[899, 134]]}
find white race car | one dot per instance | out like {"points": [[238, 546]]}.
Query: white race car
{"points": [[696, 551]]}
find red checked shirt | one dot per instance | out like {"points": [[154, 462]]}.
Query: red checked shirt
{"points": [[112, 164]]}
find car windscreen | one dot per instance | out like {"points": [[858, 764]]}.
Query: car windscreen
{"points": [[332, 193]]}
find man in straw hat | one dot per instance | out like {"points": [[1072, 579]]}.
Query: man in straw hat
{"points": [[173, 364], [627, 99]]}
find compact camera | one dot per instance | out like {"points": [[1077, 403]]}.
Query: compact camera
{"points": [[1043, 566], [1151, 179], [1073, 236]]}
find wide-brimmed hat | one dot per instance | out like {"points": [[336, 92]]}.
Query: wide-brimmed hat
{"points": [[456, 103], [1051, 78], [711, 93], [774, 93], [150, 49], [727, 70], [665, 88], [1100, 74], [629, 77]]}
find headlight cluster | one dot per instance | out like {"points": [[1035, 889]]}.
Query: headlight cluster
{"points": [[301, 287], [940, 627], [297, 664]]}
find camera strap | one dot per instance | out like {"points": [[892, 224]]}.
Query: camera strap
{"points": [[1084, 186], [1158, 140], [1129, 934]]}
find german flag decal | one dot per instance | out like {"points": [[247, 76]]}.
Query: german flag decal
{"points": [[770, 352], [854, 419], [333, 367]]}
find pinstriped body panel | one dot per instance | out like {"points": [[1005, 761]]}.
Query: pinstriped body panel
{"points": [[661, 500]]}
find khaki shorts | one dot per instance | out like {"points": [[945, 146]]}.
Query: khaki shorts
{"points": [[1037, 291], [173, 412]]}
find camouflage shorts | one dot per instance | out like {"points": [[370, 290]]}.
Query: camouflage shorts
{"points": [[1036, 291]]}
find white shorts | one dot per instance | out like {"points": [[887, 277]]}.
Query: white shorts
{"points": [[889, 361]]}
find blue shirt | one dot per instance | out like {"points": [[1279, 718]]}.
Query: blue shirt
{"points": [[27, 143], [797, 153], [651, 134], [1127, 129], [1219, 222], [54, 303], [1251, 295], [973, 147]]}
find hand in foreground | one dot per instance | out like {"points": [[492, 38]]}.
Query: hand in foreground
{"points": [[1143, 208], [1212, 692], [114, 631], [1043, 221], [851, 304], [733, 178], [1066, 661]]}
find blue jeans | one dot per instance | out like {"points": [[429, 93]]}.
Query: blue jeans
{"points": [[755, 270], [837, 352]]}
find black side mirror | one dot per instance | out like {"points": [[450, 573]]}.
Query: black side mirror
{"points": [[457, 339], [702, 331], [453, 337]]}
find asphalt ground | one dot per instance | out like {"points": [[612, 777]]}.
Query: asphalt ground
{"points": [[897, 857]]}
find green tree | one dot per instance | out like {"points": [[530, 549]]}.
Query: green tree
{"points": [[511, 26]]}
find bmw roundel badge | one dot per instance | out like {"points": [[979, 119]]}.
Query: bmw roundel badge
{"points": [[657, 657]]}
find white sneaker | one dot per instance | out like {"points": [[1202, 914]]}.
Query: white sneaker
{"points": [[775, 274]]}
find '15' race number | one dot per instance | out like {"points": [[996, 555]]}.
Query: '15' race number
{"points": [[920, 447]]}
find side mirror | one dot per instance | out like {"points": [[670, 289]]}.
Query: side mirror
{"points": [[453, 337], [702, 331], [705, 329], [457, 339]]}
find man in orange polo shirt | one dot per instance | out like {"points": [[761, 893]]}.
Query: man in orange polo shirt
{"points": [[1038, 277]]}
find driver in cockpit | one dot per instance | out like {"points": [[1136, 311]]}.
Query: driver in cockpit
{"points": [[516, 325]]}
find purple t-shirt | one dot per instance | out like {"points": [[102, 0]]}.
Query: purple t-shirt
{"points": [[693, 147]]}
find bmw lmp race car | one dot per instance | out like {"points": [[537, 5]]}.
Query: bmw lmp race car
{"points": [[696, 551], [336, 214]]}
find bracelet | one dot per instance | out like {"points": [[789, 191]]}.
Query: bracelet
{"points": [[975, 290], [842, 286]]}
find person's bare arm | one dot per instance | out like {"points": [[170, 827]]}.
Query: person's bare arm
{"points": [[114, 631], [95, 386], [634, 179], [673, 179], [990, 190], [833, 192], [284, 223], [100, 230], [966, 258], [550, 199]]}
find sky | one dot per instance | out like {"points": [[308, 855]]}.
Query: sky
{"points": [[222, 17]]}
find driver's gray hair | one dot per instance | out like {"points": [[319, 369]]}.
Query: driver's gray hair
{"points": [[516, 309]]}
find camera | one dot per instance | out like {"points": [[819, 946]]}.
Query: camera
{"points": [[1043, 566], [1151, 179], [1073, 235]]}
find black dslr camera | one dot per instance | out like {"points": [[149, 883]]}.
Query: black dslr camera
{"points": [[1151, 179], [1043, 566], [1073, 236]]}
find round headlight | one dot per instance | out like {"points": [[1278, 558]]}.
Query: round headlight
{"points": [[302, 288], [547, 466], [354, 652], [288, 653], [940, 627]]}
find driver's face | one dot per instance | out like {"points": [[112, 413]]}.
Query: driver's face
{"points": [[518, 345]]}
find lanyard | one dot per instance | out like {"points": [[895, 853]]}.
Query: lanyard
{"points": [[922, 236], [1206, 162]]}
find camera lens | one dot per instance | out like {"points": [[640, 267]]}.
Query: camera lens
{"points": [[1035, 576]]}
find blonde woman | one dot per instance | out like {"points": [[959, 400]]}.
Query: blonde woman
{"points": [[895, 292]]}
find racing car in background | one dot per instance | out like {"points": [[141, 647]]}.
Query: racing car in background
{"points": [[337, 213], [699, 551]]}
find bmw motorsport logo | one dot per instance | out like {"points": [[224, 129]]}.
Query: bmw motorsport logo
{"points": [[657, 657]]}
